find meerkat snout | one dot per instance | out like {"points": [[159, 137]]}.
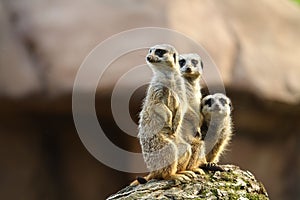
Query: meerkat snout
{"points": [[150, 58], [217, 107], [188, 69]]}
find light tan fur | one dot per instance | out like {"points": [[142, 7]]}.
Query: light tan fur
{"points": [[217, 126], [161, 117], [191, 68]]}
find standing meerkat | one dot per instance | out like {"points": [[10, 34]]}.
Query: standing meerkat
{"points": [[161, 117], [191, 68], [217, 125]]}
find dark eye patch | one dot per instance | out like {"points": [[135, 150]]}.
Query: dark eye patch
{"points": [[160, 52], [223, 101], [182, 62], [174, 56], [195, 62], [209, 102]]}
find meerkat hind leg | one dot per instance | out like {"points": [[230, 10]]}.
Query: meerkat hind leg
{"points": [[174, 176], [170, 173], [196, 159]]}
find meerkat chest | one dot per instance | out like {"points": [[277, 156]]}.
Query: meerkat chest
{"points": [[174, 101], [193, 93], [218, 123], [194, 101]]}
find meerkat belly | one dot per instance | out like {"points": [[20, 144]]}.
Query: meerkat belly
{"points": [[158, 152], [155, 143]]}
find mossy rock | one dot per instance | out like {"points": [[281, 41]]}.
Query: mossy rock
{"points": [[232, 183]]}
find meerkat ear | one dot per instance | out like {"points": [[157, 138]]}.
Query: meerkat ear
{"points": [[230, 105], [174, 56], [201, 64], [202, 105]]}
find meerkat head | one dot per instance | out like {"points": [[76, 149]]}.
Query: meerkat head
{"points": [[191, 65], [217, 104], [163, 55]]}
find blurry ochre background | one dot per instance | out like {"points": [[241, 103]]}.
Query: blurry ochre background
{"points": [[255, 44]]}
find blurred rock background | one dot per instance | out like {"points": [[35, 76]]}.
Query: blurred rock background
{"points": [[255, 44]]}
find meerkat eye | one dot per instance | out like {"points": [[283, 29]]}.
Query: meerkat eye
{"points": [[223, 101], [174, 56], [160, 52], [209, 102], [194, 62], [182, 62]]}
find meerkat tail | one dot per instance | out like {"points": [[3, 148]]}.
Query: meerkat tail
{"points": [[140, 180]]}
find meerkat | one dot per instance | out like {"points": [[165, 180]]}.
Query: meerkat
{"points": [[191, 68], [217, 126], [161, 118]]}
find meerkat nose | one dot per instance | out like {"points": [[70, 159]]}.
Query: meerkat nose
{"points": [[217, 106], [188, 69], [149, 58]]}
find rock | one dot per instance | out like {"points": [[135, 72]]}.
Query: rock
{"points": [[255, 44], [63, 33], [233, 183], [18, 77], [207, 26], [267, 34]]}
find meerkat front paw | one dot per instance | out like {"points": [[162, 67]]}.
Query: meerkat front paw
{"points": [[212, 167], [198, 171]]}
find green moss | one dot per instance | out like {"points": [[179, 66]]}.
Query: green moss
{"points": [[234, 196], [255, 196], [228, 177], [215, 192], [225, 185]]}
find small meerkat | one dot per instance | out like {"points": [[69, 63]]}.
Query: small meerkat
{"points": [[161, 117], [217, 125], [191, 68]]}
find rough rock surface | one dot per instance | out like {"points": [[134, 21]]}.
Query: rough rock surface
{"points": [[233, 183]]}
